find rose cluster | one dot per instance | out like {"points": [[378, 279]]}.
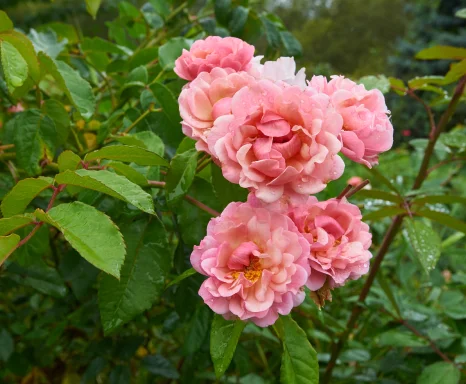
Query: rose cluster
{"points": [[278, 135]]}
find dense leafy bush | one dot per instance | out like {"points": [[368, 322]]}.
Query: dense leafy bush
{"points": [[103, 199]]}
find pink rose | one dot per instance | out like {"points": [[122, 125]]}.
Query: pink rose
{"points": [[16, 108], [354, 181], [213, 52], [257, 263], [339, 240], [206, 98], [367, 130], [282, 69], [278, 140]]}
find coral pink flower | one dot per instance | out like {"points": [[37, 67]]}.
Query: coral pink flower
{"points": [[257, 263], [214, 52], [339, 240], [206, 98], [278, 139], [367, 130], [16, 108], [354, 181]]}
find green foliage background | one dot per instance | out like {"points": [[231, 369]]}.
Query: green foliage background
{"points": [[103, 97]]}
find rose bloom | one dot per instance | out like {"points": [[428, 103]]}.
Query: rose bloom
{"points": [[339, 240], [282, 69], [367, 130], [16, 108], [214, 52], [256, 262], [206, 98], [354, 181], [278, 140]]}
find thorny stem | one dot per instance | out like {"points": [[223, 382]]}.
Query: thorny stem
{"points": [[393, 230], [56, 192], [357, 188], [190, 199]]}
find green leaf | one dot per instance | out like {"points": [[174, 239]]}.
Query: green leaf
{"points": [[142, 276], [425, 242], [443, 199], [271, 32], [457, 70], [380, 195], [22, 194], [160, 366], [34, 133], [461, 13], [198, 330], [127, 154], [14, 66], [92, 7], [169, 104], [26, 49], [63, 30], [8, 245], [396, 338], [222, 11], [57, 112], [454, 139], [7, 344], [226, 191], [97, 44], [299, 359], [78, 90], [47, 42], [379, 82], [68, 160], [178, 279], [442, 218], [383, 180], [398, 85], [111, 184], [13, 223], [384, 212], [5, 23], [129, 172], [238, 20], [388, 292], [180, 176], [171, 50], [90, 232], [291, 44], [442, 52], [439, 373], [224, 336]]}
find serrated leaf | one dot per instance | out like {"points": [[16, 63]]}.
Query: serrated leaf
{"points": [[14, 66], [142, 276], [180, 176], [168, 102], [384, 212], [443, 199], [379, 82], [97, 44], [271, 32], [238, 20], [26, 49], [13, 223], [78, 90], [57, 112], [109, 183], [68, 160], [127, 154], [47, 42], [35, 138], [299, 359], [92, 7], [224, 336], [425, 242], [198, 330], [442, 218], [439, 373], [21, 195], [380, 195], [5, 23], [396, 338], [291, 44], [129, 172], [8, 245], [90, 232], [171, 50], [442, 52]]}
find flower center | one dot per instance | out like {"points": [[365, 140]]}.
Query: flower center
{"points": [[252, 272]]}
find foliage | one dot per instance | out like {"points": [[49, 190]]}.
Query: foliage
{"points": [[96, 282]]}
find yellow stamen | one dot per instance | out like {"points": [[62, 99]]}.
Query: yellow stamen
{"points": [[252, 272]]}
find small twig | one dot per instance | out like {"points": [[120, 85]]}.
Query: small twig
{"points": [[447, 161], [357, 188], [344, 192], [140, 118], [6, 146], [189, 199]]}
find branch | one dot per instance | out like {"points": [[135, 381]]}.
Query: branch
{"points": [[189, 199]]}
